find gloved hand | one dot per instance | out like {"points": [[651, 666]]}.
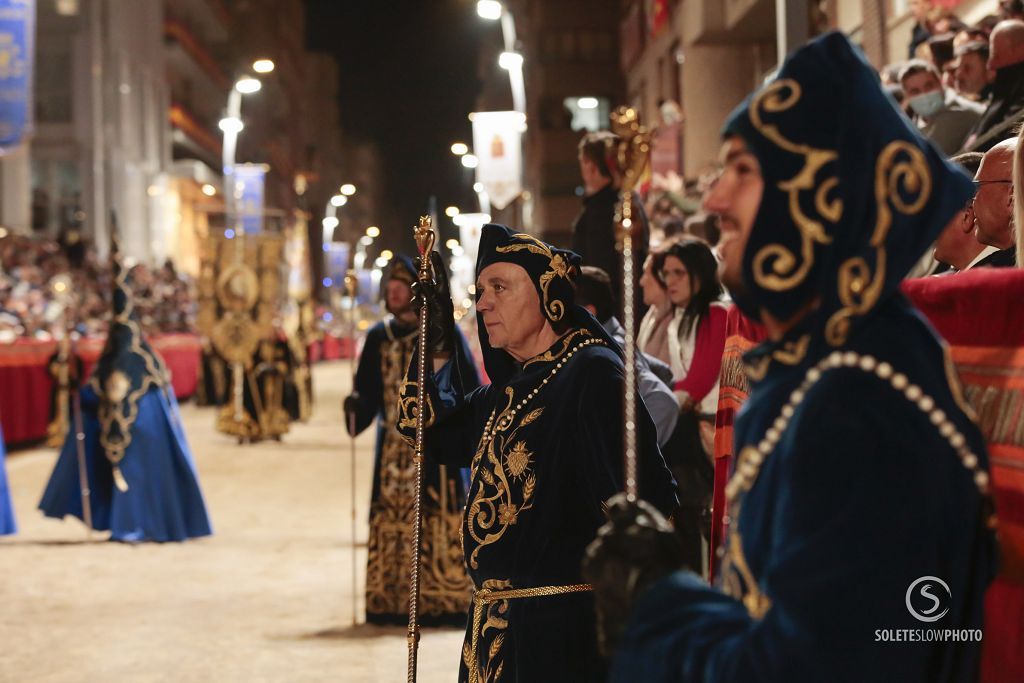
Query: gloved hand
{"points": [[350, 406], [633, 550], [440, 311]]}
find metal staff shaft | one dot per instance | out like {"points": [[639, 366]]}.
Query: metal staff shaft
{"points": [[425, 241], [629, 322], [350, 282]]}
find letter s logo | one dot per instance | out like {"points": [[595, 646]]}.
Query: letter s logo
{"points": [[932, 613]]}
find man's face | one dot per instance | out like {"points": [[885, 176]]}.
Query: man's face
{"points": [[398, 297], [955, 240], [971, 75], [509, 306], [920, 83], [654, 294], [993, 199], [735, 197]]}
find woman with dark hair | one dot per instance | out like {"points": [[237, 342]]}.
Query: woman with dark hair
{"points": [[696, 341], [652, 335]]}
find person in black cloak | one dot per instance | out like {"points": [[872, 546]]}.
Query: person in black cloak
{"points": [[544, 441], [860, 503], [444, 588]]}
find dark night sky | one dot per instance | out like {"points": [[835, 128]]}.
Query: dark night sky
{"points": [[408, 81]]}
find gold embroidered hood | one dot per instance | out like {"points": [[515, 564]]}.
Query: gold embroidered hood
{"points": [[853, 195]]}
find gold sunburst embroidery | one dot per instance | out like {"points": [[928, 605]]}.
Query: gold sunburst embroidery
{"points": [[518, 459]]}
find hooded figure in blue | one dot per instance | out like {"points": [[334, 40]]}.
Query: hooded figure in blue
{"points": [[444, 587], [7, 523], [860, 500], [544, 441], [142, 478]]}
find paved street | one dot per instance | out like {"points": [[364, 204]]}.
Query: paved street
{"points": [[267, 598]]}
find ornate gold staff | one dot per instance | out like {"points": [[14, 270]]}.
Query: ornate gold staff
{"points": [[424, 235], [632, 154]]}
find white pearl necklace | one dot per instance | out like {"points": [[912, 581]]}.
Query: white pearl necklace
{"points": [[508, 416], [751, 458]]}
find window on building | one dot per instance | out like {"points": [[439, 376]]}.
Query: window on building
{"points": [[589, 113]]}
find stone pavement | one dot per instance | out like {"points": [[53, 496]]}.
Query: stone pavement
{"points": [[267, 598]]}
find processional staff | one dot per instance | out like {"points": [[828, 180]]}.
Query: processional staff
{"points": [[632, 154], [350, 289], [425, 237]]}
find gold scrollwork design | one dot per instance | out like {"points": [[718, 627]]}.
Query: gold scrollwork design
{"points": [[407, 407], [776, 267], [558, 267], [902, 183]]}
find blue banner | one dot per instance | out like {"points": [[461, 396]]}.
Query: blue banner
{"points": [[336, 263], [249, 180], [17, 35]]}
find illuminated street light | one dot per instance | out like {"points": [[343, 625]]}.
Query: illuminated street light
{"points": [[478, 187], [231, 125], [470, 161], [263, 66], [209, 190], [459, 148], [380, 262], [339, 200], [510, 60], [365, 241], [489, 9], [248, 85], [373, 231], [451, 211], [387, 254], [348, 189], [587, 103], [330, 222]]}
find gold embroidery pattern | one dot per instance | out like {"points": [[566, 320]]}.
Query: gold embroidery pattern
{"points": [[492, 601], [901, 169], [775, 267], [739, 582], [444, 586], [496, 506], [791, 353], [567, 341], [558, 267]]}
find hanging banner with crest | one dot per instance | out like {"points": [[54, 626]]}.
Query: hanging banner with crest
{"points": [[496, 143], [17, 37]]}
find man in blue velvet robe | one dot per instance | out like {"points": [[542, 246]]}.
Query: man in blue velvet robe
{"points": [[544, 441], [860, 505], [444, 587]]}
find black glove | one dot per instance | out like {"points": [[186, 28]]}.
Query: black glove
{"points": [[440, 312], [350, 406], [633, 550]]}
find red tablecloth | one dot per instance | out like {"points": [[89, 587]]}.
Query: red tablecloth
{"points": [[25, 384]]}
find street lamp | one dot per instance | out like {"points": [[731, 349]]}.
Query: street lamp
{"points": [[459, 148], [373, 231], [339, 200], [348, 189], [470, 160], [263, 66], [510, 60], [489, 9], [232, 125], [451, 211]]}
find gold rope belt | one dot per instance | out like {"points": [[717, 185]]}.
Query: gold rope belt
{"points": [[486, 596]]}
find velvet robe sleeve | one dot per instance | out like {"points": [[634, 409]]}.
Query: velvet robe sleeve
{"points": [[851, 496], [453, 398], [368, 382], [600, 441]]}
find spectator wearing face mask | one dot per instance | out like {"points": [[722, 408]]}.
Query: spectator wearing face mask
{"points": [[941, 115]]}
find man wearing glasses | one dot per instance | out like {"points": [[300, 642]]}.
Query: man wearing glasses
{"points": [[993, 201]]}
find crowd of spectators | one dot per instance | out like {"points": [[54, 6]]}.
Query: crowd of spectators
{"points": [[37, 275]]}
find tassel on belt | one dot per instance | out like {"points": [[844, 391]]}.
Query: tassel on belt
{"points": [[486, 596]]}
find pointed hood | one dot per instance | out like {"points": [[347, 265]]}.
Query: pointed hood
{"points": [[853, 195]]}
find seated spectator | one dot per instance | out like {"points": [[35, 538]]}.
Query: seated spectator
{"points": [[940, 114], [1011, 9], [993, 200], [652, 335], [1004, 111], [971, 75], [957, 246], [922, 30], [1018, 191]]}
